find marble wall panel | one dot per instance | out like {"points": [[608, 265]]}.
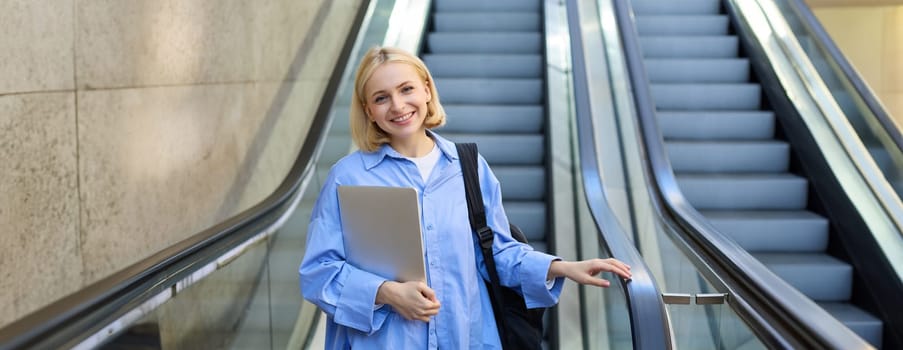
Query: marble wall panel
{"points": [[154, 165], [36, 44], [175, 42], [40, 261], [894, 51]]}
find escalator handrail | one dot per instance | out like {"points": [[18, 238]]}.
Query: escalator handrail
{"points": [[823, 39], [650, 328], [173, 263], [779, 314]]}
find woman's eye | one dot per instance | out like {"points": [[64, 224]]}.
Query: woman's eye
{"points": [[379, 99], [407, 89]]}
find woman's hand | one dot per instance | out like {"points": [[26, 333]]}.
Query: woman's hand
{"points": [[412, 300], [584, 272]]}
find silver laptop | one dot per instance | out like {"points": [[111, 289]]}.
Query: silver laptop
{"points": [[381, 227]]}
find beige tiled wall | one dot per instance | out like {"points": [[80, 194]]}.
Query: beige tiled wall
{"points": [[36, 47], [41, 257], [871, 37], [126, 126]]}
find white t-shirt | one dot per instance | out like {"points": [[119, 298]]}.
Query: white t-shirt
{"points": [[426, 163]]}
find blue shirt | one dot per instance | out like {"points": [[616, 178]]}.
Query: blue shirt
{"points": [[465, 320]]}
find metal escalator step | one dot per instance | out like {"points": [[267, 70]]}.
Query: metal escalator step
{"points": [[484, 6], [487, 22], [485, 42], [729, 156], [720, 46], [335, 147], [484, 65], [676, 7], [522, 183], [716, 125], [493, 118], [860, 321], [490, 91], [530, 217], [707, 96], [820, 277], [724, 70], [340, 123], [744, 192], [682, 25], [509, 149], [773, 231]]}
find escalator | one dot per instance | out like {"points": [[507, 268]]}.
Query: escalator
{"points": [[738, 159], [487, 59], [181, 297]]}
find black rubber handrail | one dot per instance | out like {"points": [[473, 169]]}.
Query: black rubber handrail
{"points": [[650, 328], [63, 321], [779, 315], [814, 28]]}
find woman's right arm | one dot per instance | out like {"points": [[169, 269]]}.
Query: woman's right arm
{"points": [[346, 293]]}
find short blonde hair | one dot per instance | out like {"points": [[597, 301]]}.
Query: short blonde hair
{"points": [[366, 134]]}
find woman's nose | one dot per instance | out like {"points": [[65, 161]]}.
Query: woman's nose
{"points": [[397, 104]]}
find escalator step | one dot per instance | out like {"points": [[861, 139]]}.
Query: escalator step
{"points": [[487, 22], [484, 66], [707, 96], [821, 277], [523, 183], [485, 42], [717, 125], [493, 118], [729, 156], [745, 192], [676, 7], [773, 231], [506, 149], [491, 91], [529, 216], [863, 323], [487, 6], [682, 25], [724, 70], [690, 46]]}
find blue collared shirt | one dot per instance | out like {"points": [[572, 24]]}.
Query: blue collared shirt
{"points": [[347, 294]]}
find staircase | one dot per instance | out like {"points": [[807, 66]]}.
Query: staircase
{"points": [[487, 60], [727, 158]]}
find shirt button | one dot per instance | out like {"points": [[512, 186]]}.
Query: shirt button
{"points": [[429, 227]]}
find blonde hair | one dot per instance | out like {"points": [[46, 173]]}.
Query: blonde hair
{"points": [[366, 134]]}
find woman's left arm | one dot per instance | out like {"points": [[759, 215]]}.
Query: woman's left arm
{"points": [[518, 265]]}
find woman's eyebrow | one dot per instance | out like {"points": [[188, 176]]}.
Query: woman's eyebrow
{"points": [[397, 86]]}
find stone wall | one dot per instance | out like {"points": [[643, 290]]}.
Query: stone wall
{"points": [[127, 126]]}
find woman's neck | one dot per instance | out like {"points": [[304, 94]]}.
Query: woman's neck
{"points": [[415, 146]]}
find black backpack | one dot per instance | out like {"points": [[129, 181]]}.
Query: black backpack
{"points": [[519, 327]]}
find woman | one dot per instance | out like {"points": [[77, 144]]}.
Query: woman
{"points": [[394, 106]]}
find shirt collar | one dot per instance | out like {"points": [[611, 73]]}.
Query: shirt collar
{"points": [[372, 159]]}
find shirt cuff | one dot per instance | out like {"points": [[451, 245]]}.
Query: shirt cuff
{"points": [[536, 289], [356, 307]]}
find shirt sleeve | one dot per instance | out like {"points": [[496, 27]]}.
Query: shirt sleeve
{"points": [[519, 266], [346, 293]]}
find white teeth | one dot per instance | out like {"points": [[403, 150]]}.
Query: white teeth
{"points": [[403, 118]]}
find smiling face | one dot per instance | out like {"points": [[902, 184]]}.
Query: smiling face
{"points": [[396, 100]]}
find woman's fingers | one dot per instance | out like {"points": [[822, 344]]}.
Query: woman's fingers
{"points": [[616, 267]]}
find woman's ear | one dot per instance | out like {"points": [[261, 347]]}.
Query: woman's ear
{"points": [[426, 86]]}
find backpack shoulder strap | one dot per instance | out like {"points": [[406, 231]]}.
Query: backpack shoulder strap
{"points": [[467, 152]]}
